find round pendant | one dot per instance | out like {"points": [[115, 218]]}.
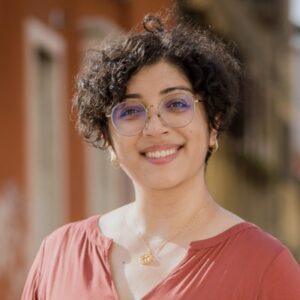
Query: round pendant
{"points": [[146, 259]]}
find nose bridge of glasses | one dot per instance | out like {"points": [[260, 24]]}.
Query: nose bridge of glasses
{"points": [[154, 121], [154, 109]]}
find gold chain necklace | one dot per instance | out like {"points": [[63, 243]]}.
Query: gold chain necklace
{"points": [[150, 254]]}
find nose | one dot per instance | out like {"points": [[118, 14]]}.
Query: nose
{"points": [[154, 125]]}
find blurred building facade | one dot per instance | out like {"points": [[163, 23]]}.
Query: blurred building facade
{"points": [[256, 173], [49, 177]]}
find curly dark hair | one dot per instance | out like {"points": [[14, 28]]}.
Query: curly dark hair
{"points": [[211, 68]]}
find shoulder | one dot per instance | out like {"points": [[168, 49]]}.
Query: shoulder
{"points": [[72, 234], [59, 250], [77, 227], [254, 240], [264, 252], [281, 277], [245, 236], [245, 244], [270, 266], [65, 245]]}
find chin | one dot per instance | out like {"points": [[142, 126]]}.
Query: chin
{"points": [[160, 183]]}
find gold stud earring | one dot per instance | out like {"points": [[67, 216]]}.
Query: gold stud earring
{"points": [[214, 148]]}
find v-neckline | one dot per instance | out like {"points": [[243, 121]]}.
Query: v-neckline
{"points": [[196, 246], [100, 239]]}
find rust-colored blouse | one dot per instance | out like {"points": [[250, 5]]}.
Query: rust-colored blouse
{"points": [[241, 263]]}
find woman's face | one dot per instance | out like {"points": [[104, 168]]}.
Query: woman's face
{"points": [[161, 157]]}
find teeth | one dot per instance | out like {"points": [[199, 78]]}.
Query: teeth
{"points": [[159, 154]]}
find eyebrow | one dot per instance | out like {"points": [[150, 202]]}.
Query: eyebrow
{"points": [[162, 92]]}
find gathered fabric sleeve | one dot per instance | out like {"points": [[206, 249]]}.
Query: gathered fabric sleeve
{"points": [[31, 288], [281, 279]]}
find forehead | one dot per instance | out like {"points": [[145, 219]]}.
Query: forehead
{"points": [[152, 79]]}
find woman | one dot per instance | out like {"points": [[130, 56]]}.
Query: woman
{"points": [[158, 100]]}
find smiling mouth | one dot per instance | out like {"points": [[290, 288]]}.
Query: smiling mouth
{"points": [[161, 153]]}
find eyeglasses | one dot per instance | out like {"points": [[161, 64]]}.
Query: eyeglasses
{"points": [[176, 110]]}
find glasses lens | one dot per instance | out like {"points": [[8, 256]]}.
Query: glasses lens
{"points": [[177, 110], [129, 117]]}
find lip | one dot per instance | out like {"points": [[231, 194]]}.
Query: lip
{"points": [[161, 160]]}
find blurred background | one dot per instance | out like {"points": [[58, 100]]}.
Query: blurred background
{"points": [[49, 177]]}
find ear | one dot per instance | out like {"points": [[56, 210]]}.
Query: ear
{"points": [[213, 137], [214, 130], [113, 157], [111, 151]]}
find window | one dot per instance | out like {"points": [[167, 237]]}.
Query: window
{"points": [[46, 121]]}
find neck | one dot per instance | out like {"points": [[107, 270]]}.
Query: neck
{"points": [[161, 212]]}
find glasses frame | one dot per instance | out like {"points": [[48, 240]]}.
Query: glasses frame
{"points": [[148, 116]]}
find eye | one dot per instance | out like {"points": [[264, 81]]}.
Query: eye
{"points": [[177, 104], [130, 112]]}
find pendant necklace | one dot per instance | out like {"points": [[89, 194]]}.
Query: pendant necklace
{"points": [[151, 255]]}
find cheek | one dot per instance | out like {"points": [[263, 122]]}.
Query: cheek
{"points": [[198, 132], [125, 149]]}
